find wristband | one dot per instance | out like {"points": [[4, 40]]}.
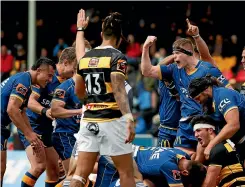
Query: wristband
{"points": [[196, 36], [43, 111], [129, 116], [80, 29]]}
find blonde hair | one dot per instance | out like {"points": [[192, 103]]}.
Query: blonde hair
{"points": [[183, 42], [68, 54]]}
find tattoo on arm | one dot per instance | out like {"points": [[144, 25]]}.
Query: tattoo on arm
{"points": [[120, 94]]}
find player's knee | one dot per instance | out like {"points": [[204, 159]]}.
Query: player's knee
{"points": [[39, 168], [126, 173]]}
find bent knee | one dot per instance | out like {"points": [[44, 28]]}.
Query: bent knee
{"points": [[39, 168]]}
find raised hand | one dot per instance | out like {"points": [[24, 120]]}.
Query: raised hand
{"points": [[82, 21], [149, 41], [192, 29]]}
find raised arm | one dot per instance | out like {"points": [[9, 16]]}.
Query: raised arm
{"points": [[200, 43], [147, 68], [82, 23]]}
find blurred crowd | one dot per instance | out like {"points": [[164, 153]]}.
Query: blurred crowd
{"points": [[225, 49]]}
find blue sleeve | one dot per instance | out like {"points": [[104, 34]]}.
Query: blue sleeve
{"points": [[21, 88], [226, 101], [36, 90], [171, 173], [217, 73], [166, 72], [61, 93]]}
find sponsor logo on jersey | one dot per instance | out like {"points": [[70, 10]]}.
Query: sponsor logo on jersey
{"points": [[93, 62], [20, 88], [122, 65]]}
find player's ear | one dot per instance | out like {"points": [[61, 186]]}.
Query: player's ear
{"points": [[101, 35], [65, 62], [184, 172]]}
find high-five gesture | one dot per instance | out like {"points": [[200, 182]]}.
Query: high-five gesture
{"points": [[192, 29], [149, 41], [82, 21]]}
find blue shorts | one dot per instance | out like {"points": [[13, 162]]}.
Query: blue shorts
{"points": [[45, 137], [63, 144], [166, 137], [185, 136], [5, 133], [106, 174]]}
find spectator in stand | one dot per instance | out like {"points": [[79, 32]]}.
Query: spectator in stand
{"points": [[133, 50], [3, 38], [218, 45], [6, 62], [20, 42], [59, 47], [44, 52]]}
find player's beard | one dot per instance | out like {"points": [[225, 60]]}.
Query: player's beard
{"points": [[208, 107]]}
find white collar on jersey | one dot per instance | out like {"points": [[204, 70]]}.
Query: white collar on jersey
{"points": [[107, 46]]}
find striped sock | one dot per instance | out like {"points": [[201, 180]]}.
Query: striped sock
{"points": [[66, 183], [28, 180], [50, 183]]}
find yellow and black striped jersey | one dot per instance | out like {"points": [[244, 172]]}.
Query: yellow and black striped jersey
{"points": [[232, 173], [96, 68]]}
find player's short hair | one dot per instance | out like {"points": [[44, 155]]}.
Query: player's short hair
{"points": [[198, 85], [197, 173], [68, 54], [203, 119], [87, 44], [43, 61], [112, 26], [182, 42]]}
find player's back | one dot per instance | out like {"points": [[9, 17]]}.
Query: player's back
{"points": [[19, 83], [151, 159], [232, 172], [169, 109], [96, 68]]}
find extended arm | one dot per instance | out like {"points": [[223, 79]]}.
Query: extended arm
{"points": [[212, 174], [58, 110], [231, 127]]}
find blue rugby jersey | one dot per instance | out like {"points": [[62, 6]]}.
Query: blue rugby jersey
{"points": [[65, 93], [224, 100], [182, 80], [39, 122], [18, 85], [169, 109], [156, 161]]}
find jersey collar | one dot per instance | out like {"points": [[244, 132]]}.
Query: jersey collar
{"points": [[106, 47]]}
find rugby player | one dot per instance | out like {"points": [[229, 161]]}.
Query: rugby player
{"points": [[107, 126], [67, 109], [15, 92], [158, 167], [39, 114], [224, 163], [225, 105], [186, 68]]}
